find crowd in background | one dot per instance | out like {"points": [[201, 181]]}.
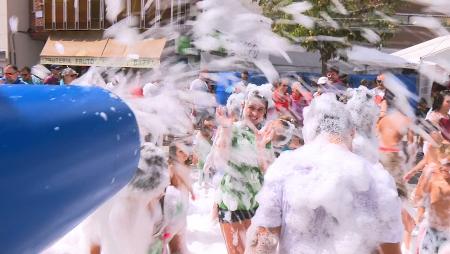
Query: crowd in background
{"points": [[58, 75]]}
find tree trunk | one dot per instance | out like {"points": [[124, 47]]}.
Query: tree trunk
{"points": [[324, 65]]}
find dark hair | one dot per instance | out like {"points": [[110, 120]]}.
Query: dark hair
{"points": [[245, 72], [173, 146], [12, 67], [285, 119], [201, 123], [427, 126], [439, 100], [172, 152], [27, 69], [206, 117], [333, 69], [389, 97], [258, 95], [56, 67], [276, 83]]}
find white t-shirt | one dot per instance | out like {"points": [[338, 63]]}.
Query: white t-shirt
{"points": [[328, 200]]}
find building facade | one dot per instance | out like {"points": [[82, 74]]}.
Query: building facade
{"points": [[18, 48], [77, 27]]}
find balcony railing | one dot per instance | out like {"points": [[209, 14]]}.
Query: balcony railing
{"points": [[406, 19], [91, 14]]}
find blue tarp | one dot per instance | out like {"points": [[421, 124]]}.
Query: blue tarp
{"points": [[226, 80]]}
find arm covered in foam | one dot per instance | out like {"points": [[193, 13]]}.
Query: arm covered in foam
{"points": [[263, 235]]}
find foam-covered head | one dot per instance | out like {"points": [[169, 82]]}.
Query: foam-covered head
{"points": [[326, 115], [283, 132], [234, 104], [152, 174], [364, 114], [255, 107], [264, 90], [363, 110]]}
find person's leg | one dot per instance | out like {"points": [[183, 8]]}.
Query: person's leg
{"points": [[177, 244], [234, 235], [409, 225], [95, 249]]}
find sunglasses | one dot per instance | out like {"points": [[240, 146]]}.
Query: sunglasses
{"points": [[10, 73], [379, 81]]}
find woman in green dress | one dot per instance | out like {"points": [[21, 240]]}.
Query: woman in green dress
{"points": [[243, 152]]}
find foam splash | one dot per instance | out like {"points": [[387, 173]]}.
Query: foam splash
{"points": [[113, 9], [370, 35], [124, 31], [59, 48], [231, 26], [433, 24], [13, 24], [370, 56]]}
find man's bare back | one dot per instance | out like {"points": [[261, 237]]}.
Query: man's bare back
{"points": [[391, 129]]}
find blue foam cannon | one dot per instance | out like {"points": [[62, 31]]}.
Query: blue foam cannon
{"points": [[63, 151]]}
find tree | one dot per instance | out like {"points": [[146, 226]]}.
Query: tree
{"points": [[330, 25]]}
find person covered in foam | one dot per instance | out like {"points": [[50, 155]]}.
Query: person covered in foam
{"points": [[323, 198], [129, 222], [364, 115], [432, 196]]}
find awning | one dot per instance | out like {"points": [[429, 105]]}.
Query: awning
{"points": [[90, 49], [436, 50], [430, 58]]}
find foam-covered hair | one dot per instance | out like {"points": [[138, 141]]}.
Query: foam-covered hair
{"points": [[265, 90], [235, 102], [326, 115], [152, 174], [363, 110]]}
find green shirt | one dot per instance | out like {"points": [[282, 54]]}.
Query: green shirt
{"points": [[243, 177]]}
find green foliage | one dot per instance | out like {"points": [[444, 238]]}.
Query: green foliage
{"points": [[361, 14]]}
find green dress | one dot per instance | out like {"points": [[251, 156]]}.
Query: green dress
{"points": [[243, 178]]}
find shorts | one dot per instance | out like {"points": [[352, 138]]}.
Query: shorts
{"points": [[226, 216], [394, 163], [433, 241]]}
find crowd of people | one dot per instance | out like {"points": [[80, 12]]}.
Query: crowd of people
{"points": [[298, 168], [58, 75], [264, 152]]}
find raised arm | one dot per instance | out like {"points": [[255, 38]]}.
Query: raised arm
{"points": [[221, 147]]}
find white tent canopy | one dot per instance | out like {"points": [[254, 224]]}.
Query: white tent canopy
{"points": [[431, 58], [433, 50]]}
